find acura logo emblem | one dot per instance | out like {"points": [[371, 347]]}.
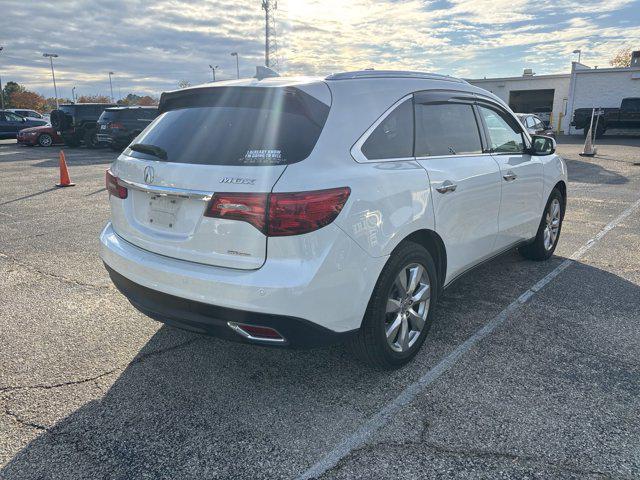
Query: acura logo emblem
{"points": [[149, 175]]}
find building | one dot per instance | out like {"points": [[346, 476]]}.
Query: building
{"points": [[555, 97]]}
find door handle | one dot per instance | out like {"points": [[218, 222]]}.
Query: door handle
{"points": [[510, 176], [447, 186]]}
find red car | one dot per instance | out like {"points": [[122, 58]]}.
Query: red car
{"points": [[45, 136]]}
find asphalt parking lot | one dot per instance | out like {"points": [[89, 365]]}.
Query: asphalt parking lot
{"points": [[530, 371]]}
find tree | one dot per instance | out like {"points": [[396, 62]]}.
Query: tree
{"points": [[147, 101], [27, 99], [184, 84], [622, 58], [93, 99], [9, 89]]}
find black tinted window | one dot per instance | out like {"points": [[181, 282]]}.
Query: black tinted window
{"points": [[631, 104], [393, 138], [504, 135], [446, 129], [237, 126]]}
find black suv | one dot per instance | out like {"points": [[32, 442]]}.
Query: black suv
{"points": [[77, 122], [120, 125]]}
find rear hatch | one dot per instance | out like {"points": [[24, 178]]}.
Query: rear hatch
{"points": [[208, 142]]}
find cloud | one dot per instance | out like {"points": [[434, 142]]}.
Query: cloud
{"points": [[152, 46]]}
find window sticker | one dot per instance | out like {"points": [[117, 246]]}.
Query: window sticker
{"points": [[263, 157]]}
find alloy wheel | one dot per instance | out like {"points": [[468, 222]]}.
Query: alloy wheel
{"points": [[552, 224], [45, 140], [407, 307]]}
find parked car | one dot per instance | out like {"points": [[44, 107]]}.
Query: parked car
{"points": [[118, 126], [45, 136], [544, 115], [625, 117], [76, 123], [29, 114], [259, 211], [11, 123], [534, 125]]}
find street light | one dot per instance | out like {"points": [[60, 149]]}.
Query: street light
{"points": [[213, 71], [73, 94], [1, 92], [579, 52], [235, 54], [111, 86], [51, 56]]}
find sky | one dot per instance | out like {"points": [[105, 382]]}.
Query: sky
{"points": [[151, 46]]}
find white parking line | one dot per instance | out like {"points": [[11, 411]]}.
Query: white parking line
{"points": [[380, 419]]}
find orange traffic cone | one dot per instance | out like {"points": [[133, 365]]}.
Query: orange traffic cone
{"points": [[65, 181]]}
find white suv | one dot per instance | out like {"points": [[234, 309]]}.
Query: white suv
{"points": [[306, 211]]}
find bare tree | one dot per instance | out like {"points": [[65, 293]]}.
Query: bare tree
{"points": [[622, 58]]}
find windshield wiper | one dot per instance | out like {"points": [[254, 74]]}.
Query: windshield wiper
{"points": [[149, 149]]}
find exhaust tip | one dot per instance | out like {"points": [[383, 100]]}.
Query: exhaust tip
{"points": [[257, 333]]}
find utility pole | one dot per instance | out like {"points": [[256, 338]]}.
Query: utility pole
{"points": [[213, 71], [51, 56], [270, 43], [73, 94], [111, 86], [1, 91], [235, 54]]}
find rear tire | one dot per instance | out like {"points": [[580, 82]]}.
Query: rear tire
{"points": [[45, 140], [548, 233], [398, 317]]}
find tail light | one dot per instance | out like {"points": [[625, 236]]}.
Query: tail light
{"points": [[113, 187], [115, 125], [281, 214]]}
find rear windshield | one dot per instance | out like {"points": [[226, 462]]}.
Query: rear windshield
{"points": [[236, 126], [108, 116]]}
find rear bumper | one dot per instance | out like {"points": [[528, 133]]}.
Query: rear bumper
{"points": [[213, 320], [313, 300]]}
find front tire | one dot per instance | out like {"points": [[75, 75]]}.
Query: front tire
{"points": [[45, 140], [548, 233], [400, 311]]}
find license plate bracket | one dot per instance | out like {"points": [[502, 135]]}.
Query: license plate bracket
{"points": [[163, 211]]}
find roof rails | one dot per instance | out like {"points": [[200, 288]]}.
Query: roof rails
{"points": [[370, 73]]}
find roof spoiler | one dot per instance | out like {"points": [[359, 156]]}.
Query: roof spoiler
{"points": [[265, 72]]}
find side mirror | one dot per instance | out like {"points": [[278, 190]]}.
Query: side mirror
{"points": [[541, 145]]}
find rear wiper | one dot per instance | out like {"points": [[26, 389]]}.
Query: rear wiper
{"points": [[149, 149]]}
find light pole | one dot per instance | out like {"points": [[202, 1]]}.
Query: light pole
{"points": [[579, 52], [73, 94], [235, 54], [1, 91], [213, 71], [111, 86], [51, 56]]}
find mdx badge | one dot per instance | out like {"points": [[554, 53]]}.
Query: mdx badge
{"points": [[238, 180]]}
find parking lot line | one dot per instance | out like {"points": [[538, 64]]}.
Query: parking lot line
{"points": [[383, 416]]}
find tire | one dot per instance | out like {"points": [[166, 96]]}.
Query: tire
{"points": [[371, 344], [45, 140], [90, 139], [540, 249]]}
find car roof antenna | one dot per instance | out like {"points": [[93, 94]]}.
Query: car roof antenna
{"points": [[265, 72]]}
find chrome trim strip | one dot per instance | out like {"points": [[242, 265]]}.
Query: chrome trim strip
{"points": [[238, 329], [167, 191]]}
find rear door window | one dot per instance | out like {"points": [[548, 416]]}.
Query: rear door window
{"points": [[446, 129], [504, 136], [393, 137], [237, 126]]}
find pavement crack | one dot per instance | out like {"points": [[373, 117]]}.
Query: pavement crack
{"points": [[135, 361], [25, 423], [62, 278]]}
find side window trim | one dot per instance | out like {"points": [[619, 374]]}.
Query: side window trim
{"points": [[356, 149]]}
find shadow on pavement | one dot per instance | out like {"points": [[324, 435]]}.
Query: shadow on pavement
{"points": [[209, 408], [586, 172]]}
